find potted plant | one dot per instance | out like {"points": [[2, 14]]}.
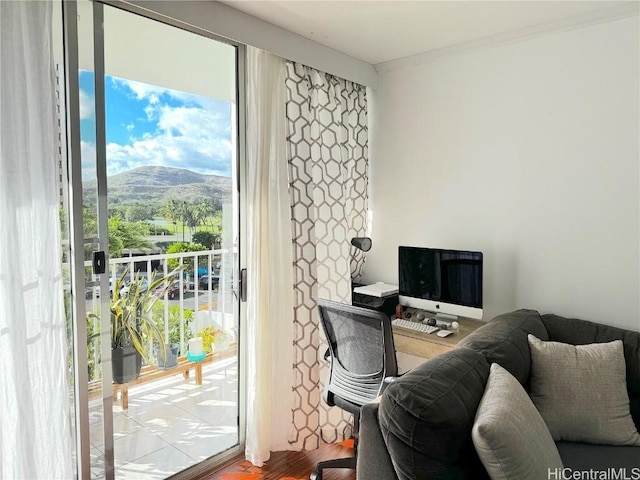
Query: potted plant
{"points": [[169, 358], [167, 355], [214, 340], [132, 325]]}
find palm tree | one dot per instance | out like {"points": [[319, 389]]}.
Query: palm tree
{"points": [[203, 211], [127, 235], [172, 213], [189, 217]]}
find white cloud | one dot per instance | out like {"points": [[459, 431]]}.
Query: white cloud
{"points": [[196, 136], [151, 112], [86, 105], [152, 93], [141, 90], [187, 137]]}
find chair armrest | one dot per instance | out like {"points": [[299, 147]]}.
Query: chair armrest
{"points": [[388, 381]]}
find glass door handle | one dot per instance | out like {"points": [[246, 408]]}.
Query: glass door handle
{"points": [[242, 284]]}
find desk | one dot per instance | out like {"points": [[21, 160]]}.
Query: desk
{"points": [[412, 347]]}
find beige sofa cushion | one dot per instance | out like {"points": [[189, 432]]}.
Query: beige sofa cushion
{"points": [[509, 434], [581, 392]]}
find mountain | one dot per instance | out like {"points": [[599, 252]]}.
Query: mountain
{"points": [[158, 184]]}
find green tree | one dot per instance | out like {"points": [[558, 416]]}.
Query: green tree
{"points": [[204, 210], [206, 238], [126, 235], [189, 216], [89, 231], [216, 221], [171, 212], [90, 225], [137, 213], [182, 247], [122, 234]]}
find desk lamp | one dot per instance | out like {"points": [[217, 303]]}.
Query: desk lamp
{"points": [[362, 243]]}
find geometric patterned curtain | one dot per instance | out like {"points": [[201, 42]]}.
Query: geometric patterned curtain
{"points": [[328, 162]]}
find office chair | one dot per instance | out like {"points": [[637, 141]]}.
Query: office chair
{"points": [[362, 356]]}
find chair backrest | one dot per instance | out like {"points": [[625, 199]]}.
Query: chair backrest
{"points": [[362, 351]]}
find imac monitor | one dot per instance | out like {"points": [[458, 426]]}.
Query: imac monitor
{"points": [[448, 282]]}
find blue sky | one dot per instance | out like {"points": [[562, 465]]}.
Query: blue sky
{"points": [[151, 125]]}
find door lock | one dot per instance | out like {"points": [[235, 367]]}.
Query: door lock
{"points": [[99, 263]]}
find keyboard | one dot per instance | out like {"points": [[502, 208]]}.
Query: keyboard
{"points": [[416, 326]]}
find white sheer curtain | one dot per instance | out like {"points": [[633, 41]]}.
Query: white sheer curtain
{"points": [[270, 262], [35, 438]]}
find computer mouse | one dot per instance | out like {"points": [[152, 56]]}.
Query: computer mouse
{"points": [[444, 333]]}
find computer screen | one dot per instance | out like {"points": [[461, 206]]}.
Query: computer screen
{"points": [[441, 281]]}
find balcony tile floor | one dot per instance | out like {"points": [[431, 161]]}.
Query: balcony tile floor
{"points": [[171, 424]]}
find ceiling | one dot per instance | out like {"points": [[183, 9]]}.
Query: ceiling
{"points": [[378, 31]]}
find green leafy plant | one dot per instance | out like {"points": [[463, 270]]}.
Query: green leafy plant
{"points": [[209, 335], [132, 323], [182, 247], [174, 321]]}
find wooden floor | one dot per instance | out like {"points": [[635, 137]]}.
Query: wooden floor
{"points": [[287, 466]]}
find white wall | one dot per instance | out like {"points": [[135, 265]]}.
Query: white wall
{"points": [[528, 152], [230, 23]]}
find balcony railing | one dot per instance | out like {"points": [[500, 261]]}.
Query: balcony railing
{"points": [[204, 295]]}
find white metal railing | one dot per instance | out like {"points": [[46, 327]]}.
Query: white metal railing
{"points": [[212, 308]]}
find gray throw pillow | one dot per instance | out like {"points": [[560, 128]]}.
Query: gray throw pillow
{"points": [[509, 434], [581, 391]]}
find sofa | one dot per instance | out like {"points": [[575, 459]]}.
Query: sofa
{"points": [[421, 428]]}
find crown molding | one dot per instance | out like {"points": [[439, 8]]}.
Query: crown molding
{"points": [[618, 12]]}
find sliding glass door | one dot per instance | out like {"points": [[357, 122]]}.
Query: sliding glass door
{"points": [[155, 120]]}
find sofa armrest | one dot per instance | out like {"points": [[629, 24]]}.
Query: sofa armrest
{"points": [[503, 340], [373, 458], [426, 417]]}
